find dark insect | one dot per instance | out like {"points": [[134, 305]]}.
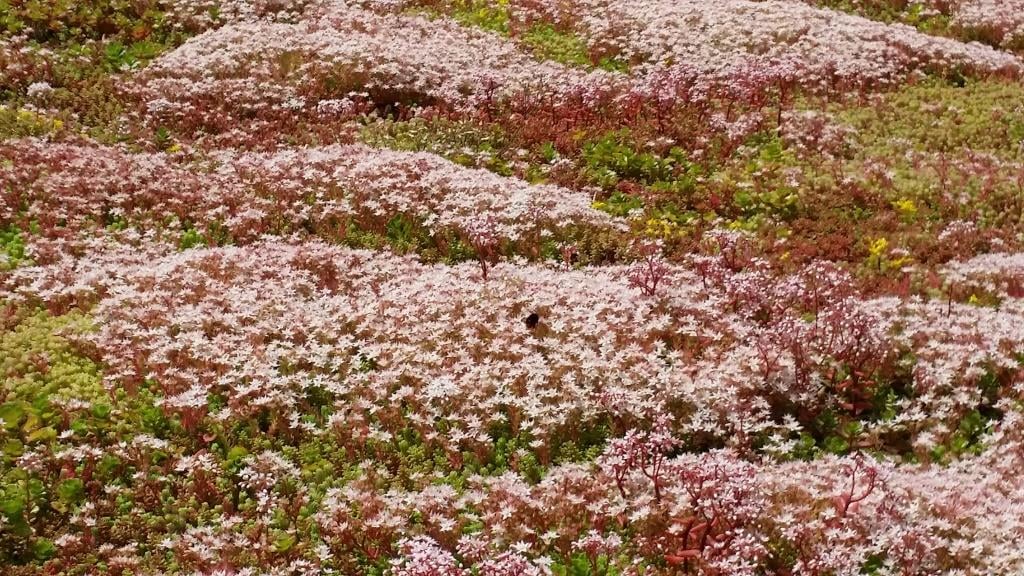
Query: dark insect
{"points": [[532, 320]]}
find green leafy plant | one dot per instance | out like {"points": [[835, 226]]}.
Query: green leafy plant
{"points": [[612, 158]]}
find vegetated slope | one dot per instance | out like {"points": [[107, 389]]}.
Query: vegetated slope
{"points": [[509, 288]]}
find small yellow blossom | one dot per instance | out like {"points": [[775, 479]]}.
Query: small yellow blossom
{"points": [[906, 208]]}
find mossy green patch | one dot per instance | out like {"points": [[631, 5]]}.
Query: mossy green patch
{"points": [[543, 39], [941, 116], [68, 21], [12, 248], [465, 143], [39, 362]]}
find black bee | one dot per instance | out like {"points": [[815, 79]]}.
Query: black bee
{"points": [[532, 320]]}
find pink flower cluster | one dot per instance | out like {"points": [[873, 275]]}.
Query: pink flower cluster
{"points": [[76, 187], [488, 397], [831, 46], [1000, 20], [738, 354], [256, 71], [716, 514], [205, 14]]}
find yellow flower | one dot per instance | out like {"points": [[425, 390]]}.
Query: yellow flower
{"points": [[876, 253], [659, 228], [907, 208], [878, 247], [900, 262]]}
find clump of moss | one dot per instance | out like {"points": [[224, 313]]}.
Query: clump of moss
{"points": [[74, 21], [543, 39], [38, 362], [940, 116], [12, 248], [464, 143]]}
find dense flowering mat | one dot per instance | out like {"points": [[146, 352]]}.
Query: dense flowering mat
{"points": [[512, 287]]}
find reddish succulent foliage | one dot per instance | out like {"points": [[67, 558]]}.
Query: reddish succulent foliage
{"points": [[454, 288]]}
